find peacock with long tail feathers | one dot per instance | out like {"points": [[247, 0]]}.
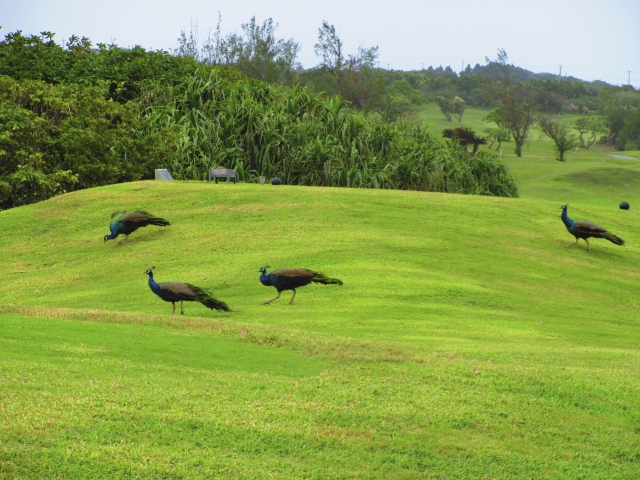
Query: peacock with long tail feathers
{"points": [[586, 230], [125, 223], [184, 292], [292, 278]]}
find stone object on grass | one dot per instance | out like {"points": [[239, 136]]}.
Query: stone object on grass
{"points": [[163, 174]]}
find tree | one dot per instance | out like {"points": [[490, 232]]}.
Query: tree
{"points": [[353, 76], [560, 134], [400, 101], [446, 107], [497, 76], [465, 137], [497, 135], [394, 107], [329, 48], [257, 52], [617, 104], [630, 133], [593, 124], [458, 107], [261, 55], [515, 111]]}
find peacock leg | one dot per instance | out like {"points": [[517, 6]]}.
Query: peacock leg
{"points": [[573, 242], [124, 240], [174, 308], [294, 296], [181, 308], [588, 245], [267, 303]]}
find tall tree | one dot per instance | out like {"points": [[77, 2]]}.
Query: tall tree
{"points": [[353, 76], [560, 134], [589, 124], [497, 135], [400, 101], [515, 111], [459, 106], [446, 107], [257, 51], [617, 104]]}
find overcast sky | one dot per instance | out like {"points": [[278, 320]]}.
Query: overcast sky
{"points": [[591, 39]]}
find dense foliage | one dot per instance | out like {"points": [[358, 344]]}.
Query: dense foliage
{"points": [[308, 139], [621, 111], [78, 117], [56, 138]]}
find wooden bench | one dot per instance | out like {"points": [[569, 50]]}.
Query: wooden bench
{"points": [[222, 173]]}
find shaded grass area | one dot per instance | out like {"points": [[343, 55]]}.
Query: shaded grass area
{"points": [[466, 342]]}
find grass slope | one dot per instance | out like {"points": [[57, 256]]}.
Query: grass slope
{"points": [[466, 341]]}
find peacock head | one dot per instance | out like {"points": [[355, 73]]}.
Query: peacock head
{"points": [[263, 270], [107, 237], [150, 271], [564, 207]]}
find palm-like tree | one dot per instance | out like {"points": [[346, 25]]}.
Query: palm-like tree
{"points": [[465, 136]]}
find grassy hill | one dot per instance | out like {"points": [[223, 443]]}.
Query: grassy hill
{"points": [[466, 342]]}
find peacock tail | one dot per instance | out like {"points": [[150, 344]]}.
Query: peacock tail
{"points": [[589, 229], [207, 300], [157, 221], [323, 279], [613, 238]]}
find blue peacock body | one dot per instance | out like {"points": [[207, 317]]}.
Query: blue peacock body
{"points": [[292, 278], [586, 230], [184, 292], [125, 223]]}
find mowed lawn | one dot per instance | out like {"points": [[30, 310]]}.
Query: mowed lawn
{"points": [[466, 341], [588, 177]]}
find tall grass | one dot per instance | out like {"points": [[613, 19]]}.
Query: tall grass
{"points": [[219, 118]]}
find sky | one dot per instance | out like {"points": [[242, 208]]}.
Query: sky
{"points": [[591, 39]]}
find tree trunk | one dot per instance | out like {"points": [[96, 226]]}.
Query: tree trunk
{"points": [[519, 144], [581, 140]]}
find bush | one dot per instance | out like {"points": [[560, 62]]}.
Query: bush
{"points": [[55, 138], [306, 139], [81, 117]]}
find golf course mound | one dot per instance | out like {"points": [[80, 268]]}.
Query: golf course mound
{"points": [[466, 342]]}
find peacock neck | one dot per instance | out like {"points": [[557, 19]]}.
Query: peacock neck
{"points": [[565, 219], [265, 279], [152, 284], [114, 232]]}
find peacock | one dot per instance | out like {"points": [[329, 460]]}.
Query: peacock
{"points": [[585, 230], [128, 222], [184, 292], [292, 278]]}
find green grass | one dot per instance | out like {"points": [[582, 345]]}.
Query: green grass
{"points": [[466, 342], [584, 179]]}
